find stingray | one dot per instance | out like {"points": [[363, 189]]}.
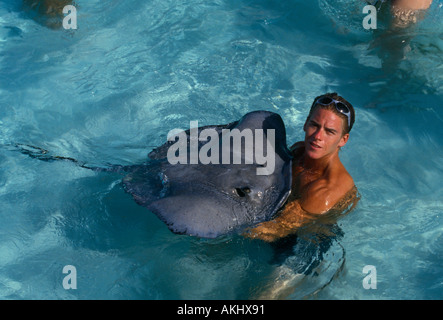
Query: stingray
{"points": [[212, 180]]}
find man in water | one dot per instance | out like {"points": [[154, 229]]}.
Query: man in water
{"points": [[320, 183]]}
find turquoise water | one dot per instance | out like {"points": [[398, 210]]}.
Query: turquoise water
{"points": [[109, 91]]}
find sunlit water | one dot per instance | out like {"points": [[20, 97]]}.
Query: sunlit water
{"points": [[111, 90]]}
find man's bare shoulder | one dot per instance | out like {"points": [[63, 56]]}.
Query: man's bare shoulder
{"points": [[322, 194]]}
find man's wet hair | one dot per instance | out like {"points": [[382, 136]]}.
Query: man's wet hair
{"points": [[332, 107]]}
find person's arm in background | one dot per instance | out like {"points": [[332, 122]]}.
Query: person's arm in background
{"points": [[412, 4], [407, 12]]}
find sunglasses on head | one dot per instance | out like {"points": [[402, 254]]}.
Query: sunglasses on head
{"points": [[340, 106]]}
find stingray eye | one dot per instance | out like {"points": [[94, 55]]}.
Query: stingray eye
{"points": [[242, 191]]}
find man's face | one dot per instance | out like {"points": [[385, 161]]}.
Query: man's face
{"points": [[323, 133]]}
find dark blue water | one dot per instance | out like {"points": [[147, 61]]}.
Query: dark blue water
{"points": [[112, 89]]}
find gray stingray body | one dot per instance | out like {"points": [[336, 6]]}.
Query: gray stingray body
{"points": [[209, 200]]}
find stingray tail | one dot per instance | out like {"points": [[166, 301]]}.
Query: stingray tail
{"points": [[45, 155]]}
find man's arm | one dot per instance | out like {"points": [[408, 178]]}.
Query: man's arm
{"points": [[318, 199], [294, 215], [288, 221]]}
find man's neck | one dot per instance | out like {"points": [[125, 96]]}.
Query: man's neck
{"points": [[320, 165]]}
